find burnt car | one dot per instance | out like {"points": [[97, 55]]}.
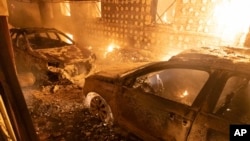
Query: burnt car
{"points": [[127, 54], [50, 55], [195, 95]]}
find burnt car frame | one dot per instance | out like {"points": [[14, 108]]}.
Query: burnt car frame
{"points": [[127, 54], [195, 95], [50, 55]]}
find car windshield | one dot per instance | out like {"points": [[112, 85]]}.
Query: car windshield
{"points": [[42, 40]]}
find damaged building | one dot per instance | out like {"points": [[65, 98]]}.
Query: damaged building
{"points": [[156, 26], [119, 34]]}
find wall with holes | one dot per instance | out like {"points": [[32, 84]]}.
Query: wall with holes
{"points": [[130, 23], [122, 22]]}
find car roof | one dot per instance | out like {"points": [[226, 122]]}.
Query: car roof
{"points": [[30, 30], [235, 60], [226, 58]]}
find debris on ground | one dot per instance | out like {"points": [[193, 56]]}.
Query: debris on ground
{"points": [[58, 114]]}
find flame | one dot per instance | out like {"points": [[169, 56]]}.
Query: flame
{"points": [[111, 47], [232, 18]]}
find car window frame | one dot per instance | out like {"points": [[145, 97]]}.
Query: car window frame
{"points": [[168, 95], [25, 45], [57, 37], [128, 79], [58, 33]]}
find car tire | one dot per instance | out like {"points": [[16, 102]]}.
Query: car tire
{"points": [[98, 107]]}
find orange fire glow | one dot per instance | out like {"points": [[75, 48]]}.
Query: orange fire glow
{"points": [[170, 53], [165, 18], [184, 94], [232, 18], [65, 9], [111, 47]]}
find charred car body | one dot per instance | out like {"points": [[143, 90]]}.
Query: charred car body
{"points": [[195, 95], [50, 55], [129, 55]]}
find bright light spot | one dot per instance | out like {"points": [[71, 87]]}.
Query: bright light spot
{"points": [[165, 18], [184, 94], [65, 9], [170, 54], [98, 6], [90, 47], [70, 36], [232, 18], [110, 49], [166, 57], [165, 11]]}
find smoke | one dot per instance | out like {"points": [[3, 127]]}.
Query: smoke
{"points": [[23, 14]]}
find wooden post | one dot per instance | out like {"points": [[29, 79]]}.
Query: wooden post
{"points": [[10, 89]]}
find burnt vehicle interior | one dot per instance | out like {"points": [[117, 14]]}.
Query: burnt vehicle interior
{"points": [[165, 83], [119, 32]]}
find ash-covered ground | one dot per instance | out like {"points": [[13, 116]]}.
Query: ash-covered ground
{"points": [[58, 114]]}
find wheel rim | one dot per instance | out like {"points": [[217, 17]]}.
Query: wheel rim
{"points": [[100, 108]]}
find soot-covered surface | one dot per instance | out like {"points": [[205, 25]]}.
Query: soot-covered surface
{"points": [[58, 114]]}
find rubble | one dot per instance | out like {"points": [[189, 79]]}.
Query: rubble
{"points": [[58, 114]]}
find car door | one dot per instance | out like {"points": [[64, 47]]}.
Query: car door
{"points": [[159, 104], [231, 106]]}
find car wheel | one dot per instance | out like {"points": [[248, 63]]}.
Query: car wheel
{"points": [[99, 107]]}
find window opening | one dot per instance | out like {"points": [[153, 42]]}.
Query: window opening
{"points": [[65, 9], [21, 43], [234, 101], [179, 85], [165, 11]]}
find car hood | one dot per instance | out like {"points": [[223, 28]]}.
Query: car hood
{"points": [[118, 69], [67, 54]]}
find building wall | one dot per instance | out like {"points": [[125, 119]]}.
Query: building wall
{"points": [[129, 23]]}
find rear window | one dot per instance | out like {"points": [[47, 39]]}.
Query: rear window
{"points": [[42, 40]]}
